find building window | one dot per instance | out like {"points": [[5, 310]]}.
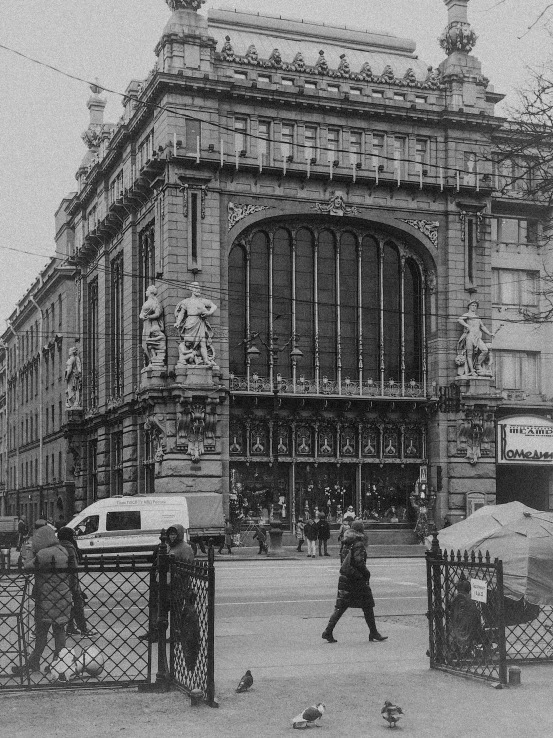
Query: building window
{"points": [[117, 332], [355, 91], [92, 470], [356, 146], [515, 287], [238, 74], [264, 140], [310, 85], [265, 78], [420, 99], [92, 344], [333, 145], [311, 143], [148, 461], [378, 150], [378, 93], [287, 140], [400, 155], [512, 174], [469, 169], [116, 463], [518, 370], [240, 135], [347, 285], [421, 154], [145, 149], [399, 96], [514, 230], [147, 259], [193, 135], [287, 81], [335, 89]]}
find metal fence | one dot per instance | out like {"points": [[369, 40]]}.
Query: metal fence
{"points": [[466, 637], [110, 601], [186, 597]]}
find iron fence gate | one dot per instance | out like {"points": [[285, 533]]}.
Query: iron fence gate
{"points": [[111, 601], [186, 614], [466, 637]]}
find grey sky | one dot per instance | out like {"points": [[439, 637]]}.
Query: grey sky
{"points": [[42, 114]]}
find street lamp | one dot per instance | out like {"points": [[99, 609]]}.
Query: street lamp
{"points": [[274, 351]]}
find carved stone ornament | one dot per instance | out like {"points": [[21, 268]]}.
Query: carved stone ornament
{"points": [[476, 434], [458, 36], [73, 380], [185, 4], [428, 227], [336, 206], [321, 67], [237, 212], [196, 428], [153, 425]]}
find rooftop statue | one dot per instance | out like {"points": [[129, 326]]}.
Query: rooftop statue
{"points": [[185, 4]]}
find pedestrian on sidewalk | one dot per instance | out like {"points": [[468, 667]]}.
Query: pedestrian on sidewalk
{"points": [[299, 534], [261, 537], [346, 525], [51, 593], [353, 585], [77, 621], [22, 532], [323, 534], [228, 537], [310, 534]]}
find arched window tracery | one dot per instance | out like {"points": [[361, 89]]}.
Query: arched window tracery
{"points": [[355, 298]]}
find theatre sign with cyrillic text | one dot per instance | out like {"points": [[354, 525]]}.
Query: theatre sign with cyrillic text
{"points": [[525, 439]]}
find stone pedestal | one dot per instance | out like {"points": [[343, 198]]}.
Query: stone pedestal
{"points": [[275, 532], [153, 375], [477, 387]]}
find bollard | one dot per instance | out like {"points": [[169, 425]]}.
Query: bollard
{"points": [[196, 697], [514, 676]]}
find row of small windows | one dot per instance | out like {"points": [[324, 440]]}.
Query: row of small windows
{"points": [[31, 340], [330, 88], [29, 471], [314, 143]]}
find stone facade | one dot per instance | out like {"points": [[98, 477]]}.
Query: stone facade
{"points": [[253, 127]]}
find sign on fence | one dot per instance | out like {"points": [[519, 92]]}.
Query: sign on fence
{"points": [[478, 590]]}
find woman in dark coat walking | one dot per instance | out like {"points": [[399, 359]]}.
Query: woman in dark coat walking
{"points": [[353, 584]]}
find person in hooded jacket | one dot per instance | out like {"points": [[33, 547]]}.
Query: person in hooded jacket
{"points": [[52, 594], [353, 585], [323, 534], [77, 622], [179, 550]]}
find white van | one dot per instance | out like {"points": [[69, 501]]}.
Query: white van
{"points": [[117, 525]]}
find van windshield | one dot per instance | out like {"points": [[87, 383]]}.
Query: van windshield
{"points": [[123, 520], [88, 525]]}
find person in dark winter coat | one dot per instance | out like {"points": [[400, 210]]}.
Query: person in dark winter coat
{"points": [[323, 535], [310, 533], [77, 621], [22, 532], [261, 537], [353, 585], [51, 592]]}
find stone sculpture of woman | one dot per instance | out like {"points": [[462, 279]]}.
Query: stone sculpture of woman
{"points": [[73, 380], [154, 340], [196, 346]]}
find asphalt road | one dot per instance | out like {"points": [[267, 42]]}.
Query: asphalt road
{"points": [[308, 588]]}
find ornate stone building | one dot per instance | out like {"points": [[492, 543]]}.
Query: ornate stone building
{"points": [[40, 472], [336, 202]]}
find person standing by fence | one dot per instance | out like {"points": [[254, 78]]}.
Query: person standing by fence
{"points": [[51, 592], [77, 622], [22, 532], [353, 585], [323, 534]]}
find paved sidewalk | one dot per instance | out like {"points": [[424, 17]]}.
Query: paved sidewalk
{"points": [[293, 668], [290, 552]]}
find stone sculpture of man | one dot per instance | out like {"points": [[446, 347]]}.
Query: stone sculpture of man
{"points": [[472, 352], [154, 341], [196, 334], [73, 380]]}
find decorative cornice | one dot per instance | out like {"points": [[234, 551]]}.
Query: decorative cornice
{"points": [[321, 68], [237, 212], [428, 227]]}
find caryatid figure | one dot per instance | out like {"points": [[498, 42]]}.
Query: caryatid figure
{"points": [[73, 379]]}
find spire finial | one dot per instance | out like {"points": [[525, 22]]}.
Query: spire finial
{"points": [[458, 35], [185, 4]]}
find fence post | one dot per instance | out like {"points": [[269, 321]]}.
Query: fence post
{"points": [[501, 624], [435, 603], [163, 676], [211, 627]]}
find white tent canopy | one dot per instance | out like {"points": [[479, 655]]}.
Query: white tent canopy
{"points": [[519, 536]]}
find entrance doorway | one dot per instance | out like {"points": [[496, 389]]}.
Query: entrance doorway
{"points": [[530, 485]]}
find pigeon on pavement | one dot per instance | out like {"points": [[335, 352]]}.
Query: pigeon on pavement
{"points": [[391, 713], [308, 716], [245, 683]]}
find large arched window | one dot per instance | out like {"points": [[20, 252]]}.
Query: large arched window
{"points": [[355, 299]]}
